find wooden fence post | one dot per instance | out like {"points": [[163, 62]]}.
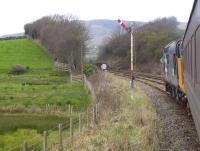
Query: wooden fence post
{"points": [[99, 110], [45, 141], [96, 109], [80, 124], [70, 76], [25, 146], [71, 130], [69, 108], [87, 118], [93, 115], [84, 80], [60, 137]]}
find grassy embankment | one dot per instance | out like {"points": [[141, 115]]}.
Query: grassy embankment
{"points": [[39, 86], [130, 126]]}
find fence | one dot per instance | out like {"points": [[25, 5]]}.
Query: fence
{"points": [[62, 66], [62, 136]]}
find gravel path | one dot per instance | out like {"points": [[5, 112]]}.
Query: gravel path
{"points": [[176, 130]]}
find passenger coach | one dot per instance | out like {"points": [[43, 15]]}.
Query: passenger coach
{"points": [[191, 60]]}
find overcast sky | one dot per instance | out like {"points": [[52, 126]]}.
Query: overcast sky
{"points": [[15, 13]]}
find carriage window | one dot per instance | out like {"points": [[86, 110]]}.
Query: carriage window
{"points": [[193, 58], [191, 53], [197, 58], [185, 58], [188, 61]]}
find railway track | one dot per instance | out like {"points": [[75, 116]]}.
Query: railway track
{"points": [[154, 81]]}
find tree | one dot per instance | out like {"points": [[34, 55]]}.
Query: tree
{"points": [[63, 36]]}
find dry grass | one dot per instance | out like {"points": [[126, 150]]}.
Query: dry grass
{"points": [[129, 120]]}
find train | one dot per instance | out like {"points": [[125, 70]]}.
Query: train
{"points": [[181, 66]]}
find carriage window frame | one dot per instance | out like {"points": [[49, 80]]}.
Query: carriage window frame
{"points": [[194, 58], [191, 59], [197, 74]]}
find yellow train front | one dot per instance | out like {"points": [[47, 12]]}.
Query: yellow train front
{"points": [[172, 62]]}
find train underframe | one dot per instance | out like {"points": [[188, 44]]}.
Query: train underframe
{"points": [[176, 93]]}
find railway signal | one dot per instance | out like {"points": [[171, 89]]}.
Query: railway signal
{"points": [[130, 30]]}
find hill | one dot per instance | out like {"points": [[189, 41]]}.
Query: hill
{"points": [[24, 97], [99, 31], [24, 52], [12, 35]]}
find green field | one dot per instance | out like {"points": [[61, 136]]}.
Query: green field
{"points": [[40, 85], [22, 52]]}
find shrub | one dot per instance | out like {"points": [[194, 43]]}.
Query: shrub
{"points": [[89, 69], [17, 69]]}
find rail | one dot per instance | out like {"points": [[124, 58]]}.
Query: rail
{"points": [[155, 81]]}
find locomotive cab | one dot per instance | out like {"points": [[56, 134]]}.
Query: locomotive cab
{"points": [[173, 69]]}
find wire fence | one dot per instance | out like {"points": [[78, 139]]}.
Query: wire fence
{"points": [[63, 135]]}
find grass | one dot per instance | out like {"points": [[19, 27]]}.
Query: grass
{"points": [[24, 52], [131, 126], [11, 122], [40, 85]]}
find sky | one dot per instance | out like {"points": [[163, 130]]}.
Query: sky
{"points": [[15, 13]]}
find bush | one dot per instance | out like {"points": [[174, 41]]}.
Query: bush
{"points": [[17, 69], [89, 69]]}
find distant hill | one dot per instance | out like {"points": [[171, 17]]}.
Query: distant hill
{"points": [[103, 28], [12, 35], [99, 30]]}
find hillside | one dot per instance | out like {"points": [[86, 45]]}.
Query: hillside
{"points": [[99, 31], [151, 38], [12, 35], [102, 29], [24, 98]]}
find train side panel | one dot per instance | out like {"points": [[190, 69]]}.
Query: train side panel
{"points": [[180, 75], [191, 55]]}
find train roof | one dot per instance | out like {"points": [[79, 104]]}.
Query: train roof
{"points": [[169, 44]]}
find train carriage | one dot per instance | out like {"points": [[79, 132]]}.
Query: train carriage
{"points": [[191, 60]]}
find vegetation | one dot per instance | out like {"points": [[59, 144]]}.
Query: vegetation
{"points": [[40, 85], [40, 122], [63, 36], [129, 121], [150, 41], [89, 69], [24, 52]]}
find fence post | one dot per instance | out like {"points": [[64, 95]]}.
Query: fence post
{"points": [[60, 137], [96, 107], [99, 110], [45, 141], [87, 118], [84, 80], [25, 146], [71, 130], [80, 124], [93, 115], [70, 76], [69, 108]]}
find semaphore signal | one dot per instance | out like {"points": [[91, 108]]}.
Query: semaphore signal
{"points": [[123, 25]]}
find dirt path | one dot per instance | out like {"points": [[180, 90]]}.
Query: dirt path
{"points": [[176, 130]]}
